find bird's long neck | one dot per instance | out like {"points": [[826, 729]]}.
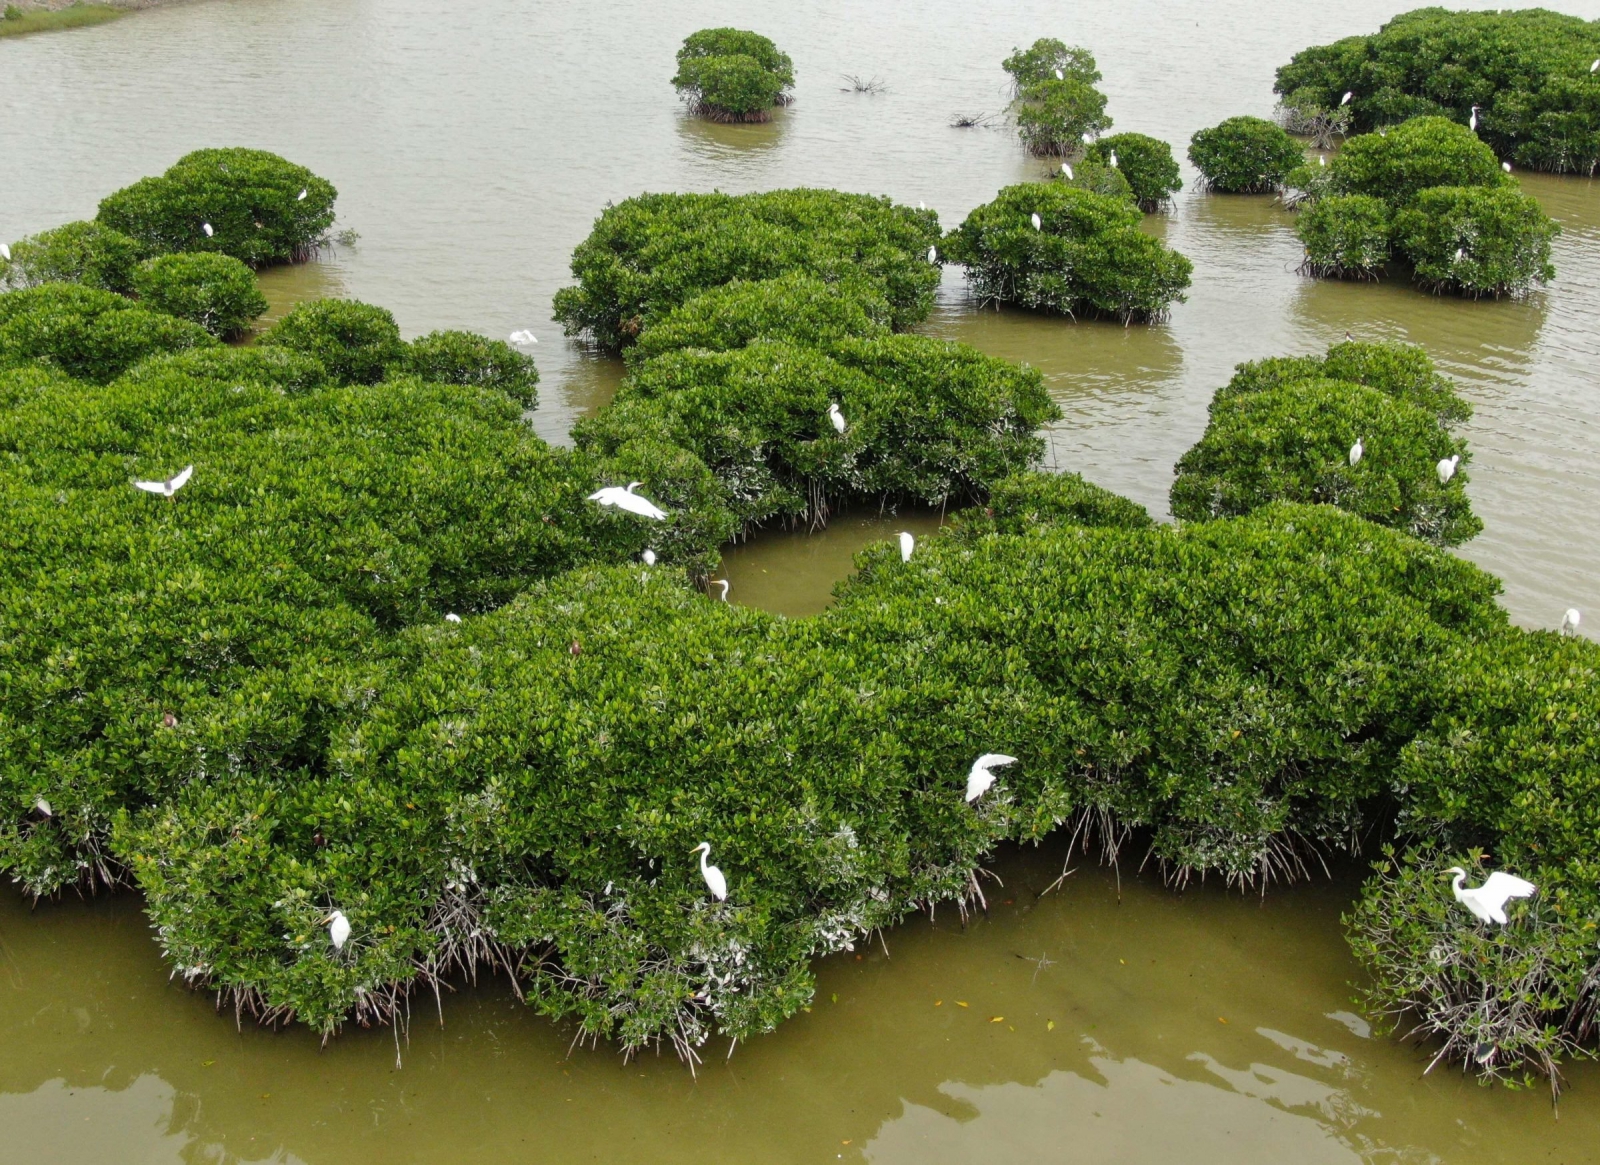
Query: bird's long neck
{"points": [[1456, 885], [705, 852]]}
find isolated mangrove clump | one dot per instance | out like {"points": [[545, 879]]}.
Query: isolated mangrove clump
{"points": [[261, 209], [454, 357], [727, 74], [1145, 162], [652, 253], [87, 333], [1056, 102], [1431, 193], [1087, 257], [1244, 155], [1527, 71], [79, 252], [1048, 59], [218, 292]]}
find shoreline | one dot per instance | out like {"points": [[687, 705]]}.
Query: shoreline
{"points": [[26, 17]]}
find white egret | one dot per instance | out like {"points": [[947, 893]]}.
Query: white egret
{"points": [[1113, 159], [1322, 159], [980, 778], [1506, 166], [1447, 468], [1345, 100], [1569, 623], [933, 254], [715, 882], [623, 498], [1088, 139], [907, 545], [338, 929], [1461, 253], [1060, 76], [837, 418], [1356, 452], [723, 583], [301, 197], [452, 617], [1472, 122], [1038, 223], [921, 205], [5, 252], [649, 557], [1488, 901], [205, 226], [1596, 66], [1067, 170], [523, 336], [43, 807], [169, 487]]}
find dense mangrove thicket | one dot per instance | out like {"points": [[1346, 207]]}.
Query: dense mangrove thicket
{"points": [[79, 252], [1288, 431], [92, 334], [1431, 193], [218, 292], [1244, 155], [1087, 256], [1528, 73], [1058, 106], [727, 74]]}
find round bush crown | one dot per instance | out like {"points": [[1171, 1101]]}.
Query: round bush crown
{"points": [[1527, 71], [1052, 116], [467, 358], [356, 342], [218, 292], [250, 198], [1345, 236], [1477, 240], [1244, 155], [1047, 56], [1427, 151], [79, 252], [730, 74], [1089, 257], [1145, 162], [87, 333]]}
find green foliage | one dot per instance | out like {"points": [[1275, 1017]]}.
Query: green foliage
{"points": [[1527, 70], [1095, 176], [1398, 165], [1024, 501], [79, 252], [729, 74], [651, 254], [1145, 162], [356, 342], [1403, 371], [1292, 443], [1044, 59], [86, 332], [470, 359], [1053, 116], [217, 292], [1477, 241], [251, 200], [279, 368], [1089, 258], [1345, 236], [1244, 155]]}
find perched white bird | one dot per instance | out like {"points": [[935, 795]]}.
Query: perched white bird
{"points": [[43, 806], [1060, 76], [205, 226], [837, 418], [715, 882], [1488, 901], [523, 336], [1461, 253], [1345, 100], [1472, 122], [301, 197], [1596, 66], [723, 583], [622, 498], [1113, 159], [907, 545], [1569, 623], [1067, 170], [1038, 223], [1356, 451], [933, 254], [921, 205], [169, 487], [5, 252], [649, 557], [1322, 159], [980, 778], [338, 929], [1088, 139], [1506, 166], [452, 617], [1447, 468]]}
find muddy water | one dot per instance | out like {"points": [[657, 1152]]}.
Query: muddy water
{"points": [[473, 145]]}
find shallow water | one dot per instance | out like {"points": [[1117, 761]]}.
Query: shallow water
{"points": [[472, 148]]}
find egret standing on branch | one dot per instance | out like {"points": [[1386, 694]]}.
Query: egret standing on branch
{"points": [[622, 498], [715, 882], [338, 929], [169, 487], [837, 418], [1447, 468], [649, 556], [980, 778], [1569, 623], [1356, 452], [1345, 100], [301, 197], [1472, 122], [1113, 159], [1488, 901], [205, 226], [907, 545], [1067, 170], [5, 252], [1038, 223], [933, 254]]}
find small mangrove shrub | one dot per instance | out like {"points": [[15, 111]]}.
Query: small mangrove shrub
{"points": [[1244, 155], [1345, 236], [727, 74], [1528, 71], [87, 333], [1087, 257], [466, 358], [1053, 116], [79, 252], [218, 292], [1097, 177], [1145, 162], [1048, 59], [356, 343], [1477, 241], [260, 208]]}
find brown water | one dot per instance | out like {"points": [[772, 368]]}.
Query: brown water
{"points": [[473, 145]]}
